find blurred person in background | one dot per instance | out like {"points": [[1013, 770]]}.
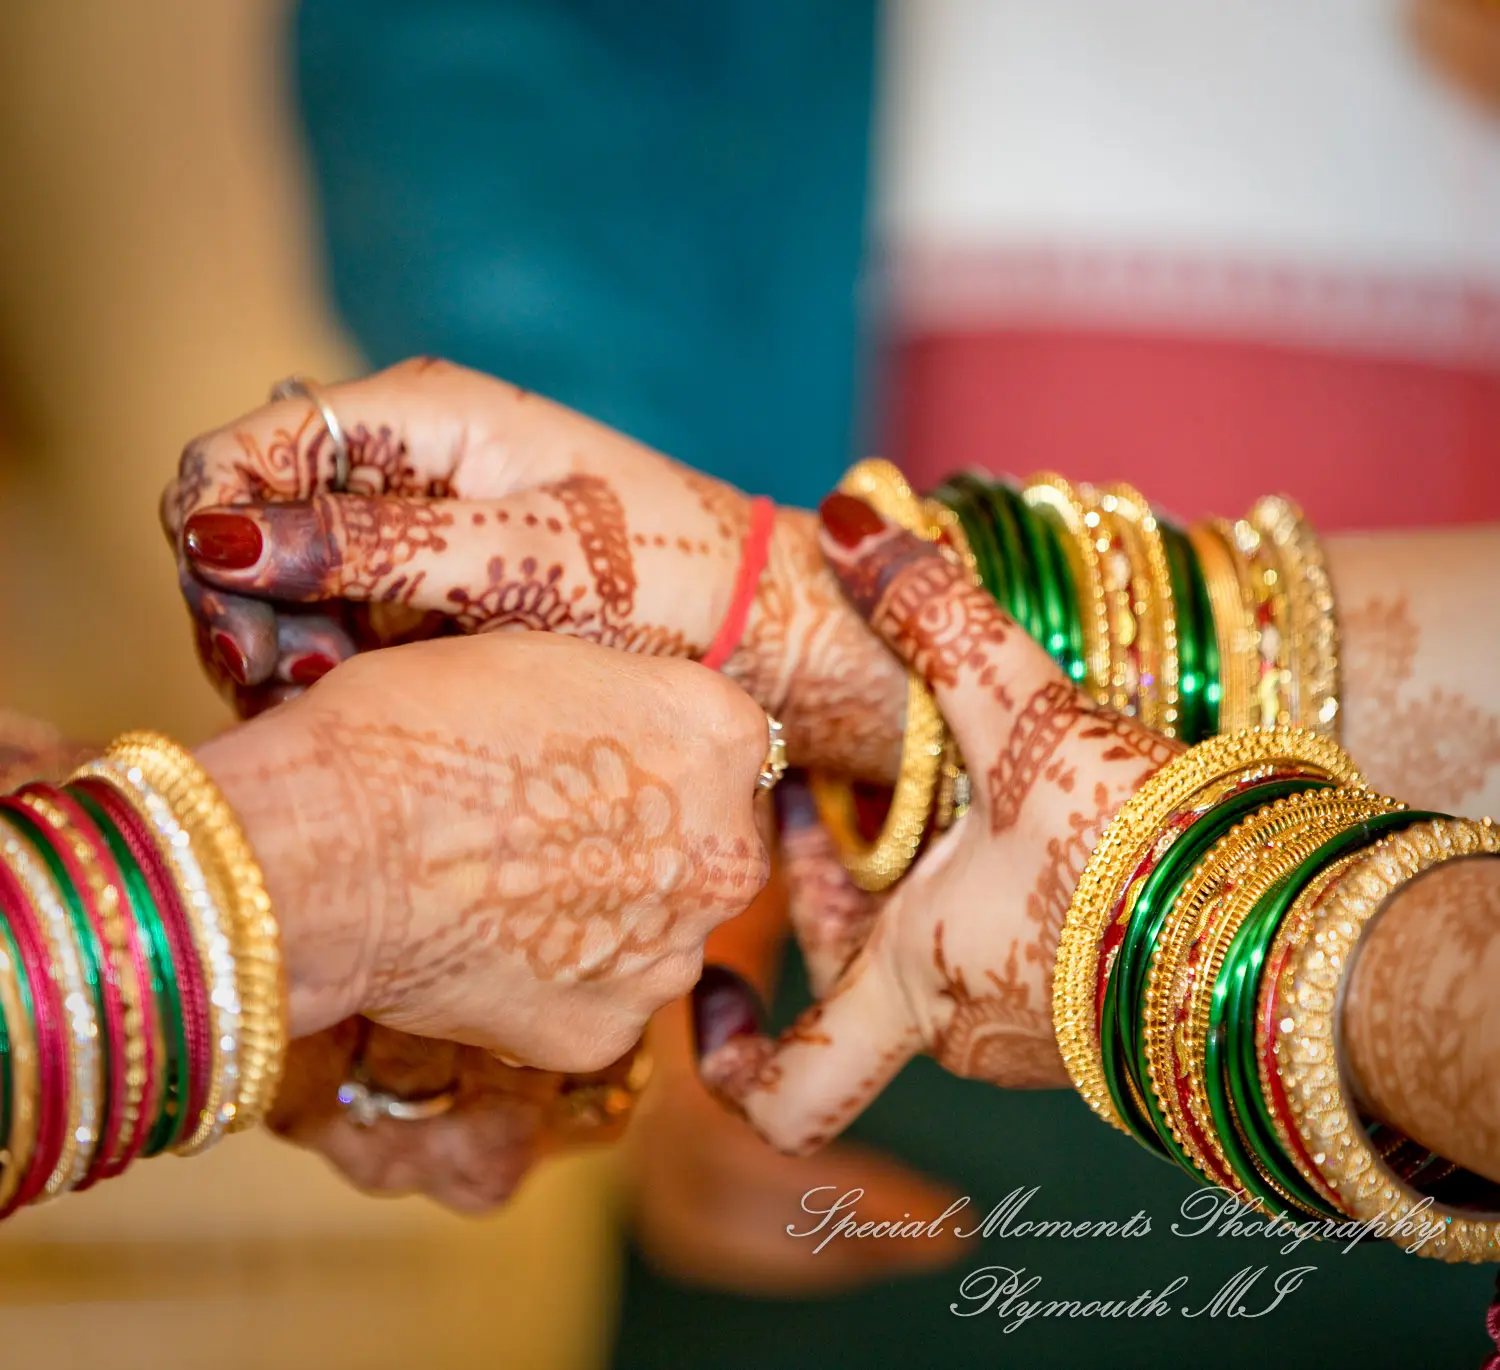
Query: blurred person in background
{"points": [[1214, 251]]}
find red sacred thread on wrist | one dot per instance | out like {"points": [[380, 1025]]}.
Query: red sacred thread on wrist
{"points": [[753, 553]]}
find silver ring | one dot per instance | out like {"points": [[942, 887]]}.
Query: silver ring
{"points": [[366, 1105], [304, 387], [774, 766]]}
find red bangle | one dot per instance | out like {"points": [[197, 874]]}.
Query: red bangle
{"points": [[753, 553]]}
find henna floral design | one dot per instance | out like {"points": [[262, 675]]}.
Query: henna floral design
{"points": [[997, 1035], [1066, 856], [723, 503], [940, 633], [1424, 1039], [596, 515], [539, 599], [1437, 749], [1031, 752]]}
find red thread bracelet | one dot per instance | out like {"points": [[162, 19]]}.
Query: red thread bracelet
{"points": [[753, 554]]}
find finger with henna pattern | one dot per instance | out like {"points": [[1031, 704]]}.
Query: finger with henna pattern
{"points": [[310, 643], [829, 913], [801, 1090], [977, 661], [236, 635]]}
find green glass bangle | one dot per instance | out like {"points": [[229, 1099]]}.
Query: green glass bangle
{"points": [[959, 495], [1231, 1074], [1020, 564], [1068, 651], [1122, 1036], [1041, 553], [7, 1083], [168, 1123], [1192, 712], [1208, 637], [83, 932]]}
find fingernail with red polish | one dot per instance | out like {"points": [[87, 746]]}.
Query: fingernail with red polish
{"points": [[230, 542], [231, 658], [724, 1007], [849, 521], [310, 667]]}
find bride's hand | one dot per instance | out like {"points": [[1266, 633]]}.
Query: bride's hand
{"points": [[473, 506], [501, 1120], [517, 842], [957, 962]]}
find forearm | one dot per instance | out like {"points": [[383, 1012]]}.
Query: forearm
{"points": [[1418, 621], [1422, 1016]]}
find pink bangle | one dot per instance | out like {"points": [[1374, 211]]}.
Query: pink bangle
{"points": [[753, 553]]}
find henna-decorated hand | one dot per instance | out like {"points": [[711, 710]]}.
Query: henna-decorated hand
{"points": [[504, 1119], [958, 960], [473, 506], [517, 842]]}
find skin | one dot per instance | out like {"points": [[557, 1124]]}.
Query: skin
{"points": [[1415, 622], [456, 854]]}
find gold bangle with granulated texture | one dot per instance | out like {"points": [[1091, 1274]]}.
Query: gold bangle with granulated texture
{"points": [[877, 865], [1068, 506], [1235, 629], [1184, 969], [1122, 588], [1139, 824], [1309, 1049], [259, 974], [1289, 936], [1155, 611], [1312, 617], [1265, 587]]}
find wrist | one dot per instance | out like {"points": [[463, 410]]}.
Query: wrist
{"points": [[322, 918]]}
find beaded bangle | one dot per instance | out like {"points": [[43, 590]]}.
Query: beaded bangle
{"points": [[1186, 960], [256, 939], [1172, 859], [1102, 886], [176, 982], [1309, 998], [81, 897], [50, 1036], [18, 1137], [1312, 626], [205, 902], [64, 960], [90, 868]]}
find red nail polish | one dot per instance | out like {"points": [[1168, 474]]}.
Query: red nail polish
{"points": [[231, 658], [849, 521], [724, 1007], [230, 542], [311, 666]]}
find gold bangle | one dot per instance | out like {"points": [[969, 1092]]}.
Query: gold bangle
{"points": [[205, 903], [1154, 608], [115, 944], [1132, 831], [259, 971], [1189, 954], [876, 866], [16, 1148], [1054, 496], [1290, 935], [1264, 588], [1311, 614], [1309, 1048], [1234, 624], [952, 800]]}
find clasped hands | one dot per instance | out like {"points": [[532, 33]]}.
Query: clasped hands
{"points": [[518, 842]]}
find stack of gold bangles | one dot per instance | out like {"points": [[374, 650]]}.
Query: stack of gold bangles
{"points": [[1199, 984], [142, 1002], [1215, 628]]}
